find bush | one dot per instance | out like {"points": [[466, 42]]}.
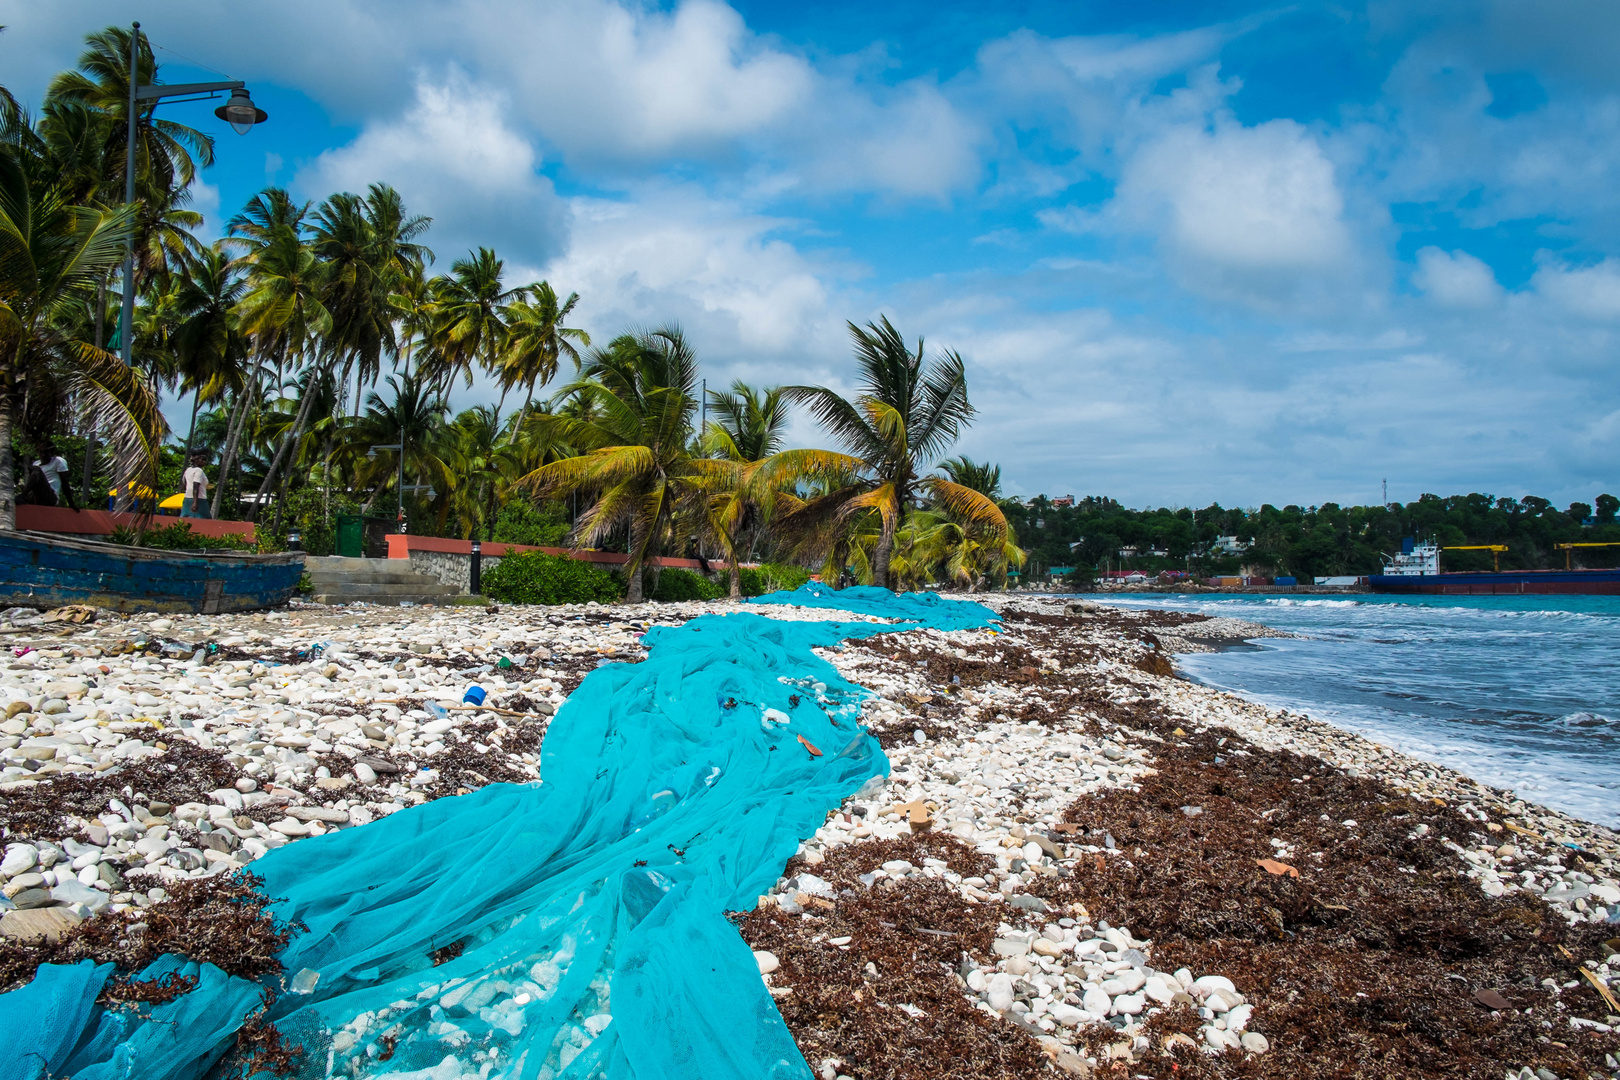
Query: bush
{"points": [[306, 513], [773, 577], [521, 522], [531, 577], [179, 537], [675, 584]]}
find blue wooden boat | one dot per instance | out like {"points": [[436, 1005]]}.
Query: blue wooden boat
{"points": [[49, 571]]}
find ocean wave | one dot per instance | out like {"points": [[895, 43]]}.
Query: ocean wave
{"points": [[1288, 601], [1587, 720]]}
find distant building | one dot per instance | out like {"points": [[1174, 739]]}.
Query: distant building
{"points": [[1230, 545], [1067, 500]]}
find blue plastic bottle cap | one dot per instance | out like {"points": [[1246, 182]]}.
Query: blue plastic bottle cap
{"points": [[474, 695]]}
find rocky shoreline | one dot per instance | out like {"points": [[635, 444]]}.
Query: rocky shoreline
{"points": [[1081, 862]]}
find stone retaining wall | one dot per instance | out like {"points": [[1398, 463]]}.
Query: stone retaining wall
{"points": [[450, 567]]}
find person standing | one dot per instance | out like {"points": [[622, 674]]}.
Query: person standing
{"points": [[55, 467], [194, 485]]}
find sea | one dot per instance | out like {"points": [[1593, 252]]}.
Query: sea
{"points": [[1518, 692]]}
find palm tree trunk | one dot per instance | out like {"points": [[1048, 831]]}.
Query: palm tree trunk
{"points": [[8, 477], [632, 569], [191, 432], [736, 576], [90, 424], [880, 557], [295, 433], [233, 439]]}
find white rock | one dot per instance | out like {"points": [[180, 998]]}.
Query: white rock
{"points": [[1208, 984], [20, 858], [1124, 982], [1047, 947], [767, 961], [999, 994], [1223, 1000], [1238, 1018], [1221, 1040], [1130, 1004], [1255, 1043], [1096, 1001], [1160, 991], [1068, 1015]]}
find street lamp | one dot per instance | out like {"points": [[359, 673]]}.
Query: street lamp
{"points": [[399, 520], [239, 112]]}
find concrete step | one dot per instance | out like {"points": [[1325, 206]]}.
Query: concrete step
{"points": [[424, 587], [405, 577], [395, 599]]}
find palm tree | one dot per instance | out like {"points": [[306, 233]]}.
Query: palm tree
{"points": [[167, 154], [633, 445], [209, 347], [413, 419], [748, 430], [283, 311], [52, 254], [536, 339], [906, 413], [981, 476], [468, 326]]}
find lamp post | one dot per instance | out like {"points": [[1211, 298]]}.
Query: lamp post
{"points": [[239, 112]]}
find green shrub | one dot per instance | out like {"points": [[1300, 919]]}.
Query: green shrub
{"points": [[309, 513], [532, 577], [179, 537], [521, 522], [773, 577], [675, 584]]}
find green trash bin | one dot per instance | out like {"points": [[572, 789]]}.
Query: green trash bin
{"points": [[351, 536]]}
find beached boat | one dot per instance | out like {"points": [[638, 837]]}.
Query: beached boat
{"points": [[48, 571]]}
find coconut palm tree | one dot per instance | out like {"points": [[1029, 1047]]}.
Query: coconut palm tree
{"points": [[633, 444], [906, 413], [207, 343], [411, 418], [52, 255], [468, 328], [283, 311], [536, 340], [747, 431], [167, 154]]}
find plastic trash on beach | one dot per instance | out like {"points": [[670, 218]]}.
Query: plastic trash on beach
{"points": [[474, 695], [435, 710]]}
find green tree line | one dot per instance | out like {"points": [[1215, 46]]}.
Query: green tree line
{"points": [[1098, 533]]}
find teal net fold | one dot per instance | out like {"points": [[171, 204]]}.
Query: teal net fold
{"points": [[570, 928]]}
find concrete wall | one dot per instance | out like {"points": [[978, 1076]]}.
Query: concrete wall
{"points": [[450, 567]]}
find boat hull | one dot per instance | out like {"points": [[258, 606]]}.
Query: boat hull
{"points": [[47, 571], [1510, 583]]}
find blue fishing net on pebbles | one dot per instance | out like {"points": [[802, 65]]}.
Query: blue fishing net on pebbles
{"points": [[588, 909], [925, 608]]}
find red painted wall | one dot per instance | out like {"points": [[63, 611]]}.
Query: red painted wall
{"points": [[60, 519]]}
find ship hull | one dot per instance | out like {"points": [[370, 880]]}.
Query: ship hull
{"points": [[1511, 583]]}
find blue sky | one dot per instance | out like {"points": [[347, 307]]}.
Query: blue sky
{"points": [[1191, 252]]}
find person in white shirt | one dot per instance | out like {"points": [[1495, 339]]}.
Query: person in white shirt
{"points": [[194, 485], [55, 469]]}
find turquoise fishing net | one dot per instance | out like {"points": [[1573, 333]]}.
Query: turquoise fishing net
{"points": [[924, 608], [578, 923]]}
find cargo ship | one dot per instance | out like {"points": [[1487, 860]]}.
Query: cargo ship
{"points": [[1416, 569]]}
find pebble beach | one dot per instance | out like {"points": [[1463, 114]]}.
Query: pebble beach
{"points": [[1080, 863]]}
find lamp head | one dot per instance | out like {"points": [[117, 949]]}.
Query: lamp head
{"points": [[240, 112]]}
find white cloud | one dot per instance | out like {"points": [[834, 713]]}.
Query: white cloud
{"points": [[1456, 279], [671, 254], [1247, 199], [1591, 292], [453, 156]]}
